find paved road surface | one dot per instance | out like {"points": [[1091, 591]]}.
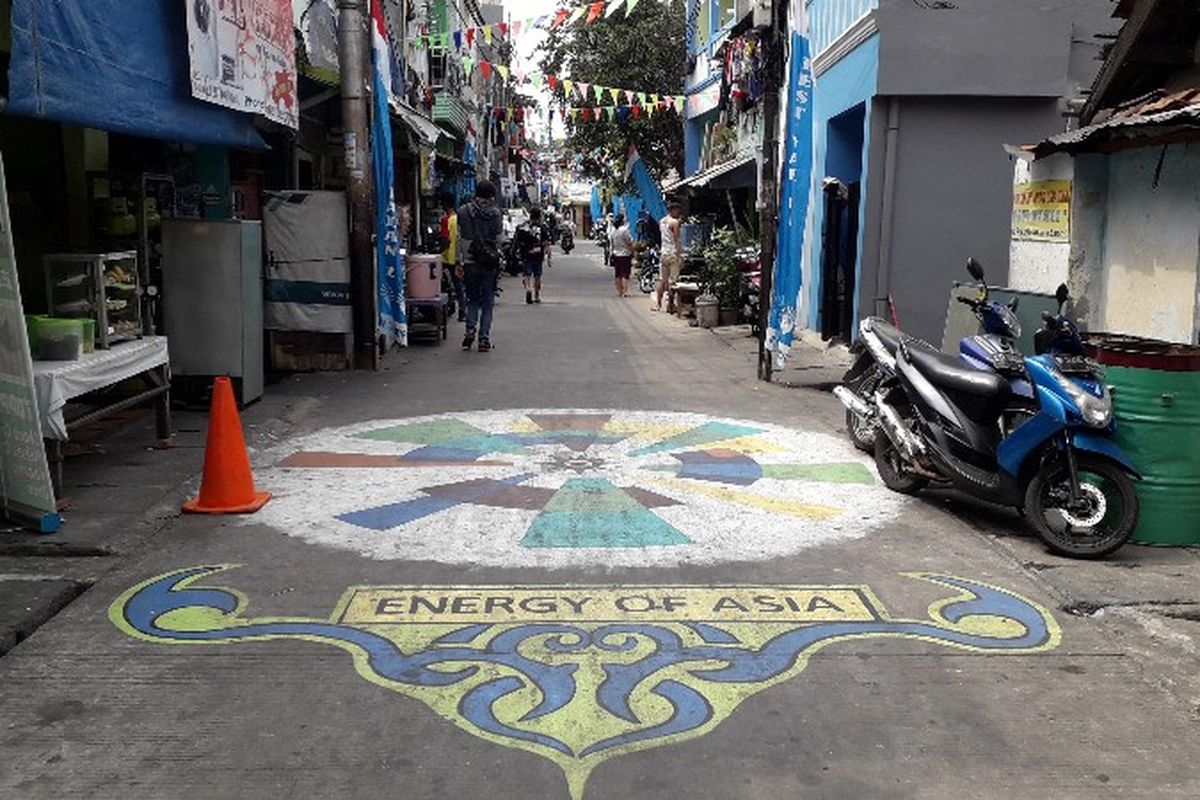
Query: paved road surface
{"points": [[599, 562]]}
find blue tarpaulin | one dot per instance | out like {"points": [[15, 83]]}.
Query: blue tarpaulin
{"points": [[633, 209], [647, 187], [116, 65], [597, 209]]}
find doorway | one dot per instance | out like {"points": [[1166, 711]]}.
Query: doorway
{"points": [[841, 197]]}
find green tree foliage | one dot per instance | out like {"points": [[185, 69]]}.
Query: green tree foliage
{"points": [[645, 52]]}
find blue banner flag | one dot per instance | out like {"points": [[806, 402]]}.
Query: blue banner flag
{"points": [[796, 178], [389, 258]]}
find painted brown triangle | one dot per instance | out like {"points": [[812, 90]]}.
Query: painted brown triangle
{"points": [[570, 422]]}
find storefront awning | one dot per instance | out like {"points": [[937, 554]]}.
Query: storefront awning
{"points": [[737, 173], [426, 130], [115, 65]]}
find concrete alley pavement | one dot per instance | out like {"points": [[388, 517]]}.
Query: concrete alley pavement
{"points": [[600, 561]]}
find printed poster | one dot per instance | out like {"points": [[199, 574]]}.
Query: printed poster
{"points": [[1042, 211], [243, 56]]}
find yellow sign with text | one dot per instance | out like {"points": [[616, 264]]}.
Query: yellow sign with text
{"points": [[1042, 211], [451, 605]]}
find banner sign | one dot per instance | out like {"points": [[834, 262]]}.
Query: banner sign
{"points": [[392, 323], [1042, 211], [25, 488], [243, 56], [795, 185]]}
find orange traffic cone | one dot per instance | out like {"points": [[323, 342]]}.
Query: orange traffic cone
{"points": [[227, 486]]}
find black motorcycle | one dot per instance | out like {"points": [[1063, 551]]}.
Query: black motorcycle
{"points": [[568, 240], [648, 272]]}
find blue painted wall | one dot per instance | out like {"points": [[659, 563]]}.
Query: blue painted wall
{"points": [[849, 83]]}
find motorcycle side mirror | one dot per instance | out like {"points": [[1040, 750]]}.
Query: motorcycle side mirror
{"points": [[1062, 295], [975, 268], [1014, 304]]}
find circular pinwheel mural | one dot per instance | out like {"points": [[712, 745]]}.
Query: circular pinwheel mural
{"points": [[562, 488]]}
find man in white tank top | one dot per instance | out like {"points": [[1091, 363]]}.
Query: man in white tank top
{"points": [[672, 252]]}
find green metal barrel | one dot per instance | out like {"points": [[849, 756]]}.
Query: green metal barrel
{"points": [[1156, 401]]}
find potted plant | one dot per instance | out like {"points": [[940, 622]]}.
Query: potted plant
{"points": [[723, 277]]}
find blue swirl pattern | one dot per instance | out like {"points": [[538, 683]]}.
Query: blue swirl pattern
{"points": [[441, 664]]}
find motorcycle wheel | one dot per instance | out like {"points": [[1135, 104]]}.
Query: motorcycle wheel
{"points": [[892, 470], [862, 433], [1105, 519], [646, 281]]}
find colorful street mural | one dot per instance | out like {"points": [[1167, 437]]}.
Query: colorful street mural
{"points": [[582, 674], [566, 488]]}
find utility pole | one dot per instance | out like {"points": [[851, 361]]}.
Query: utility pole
{"points": [[769, 182], [353, 51]]}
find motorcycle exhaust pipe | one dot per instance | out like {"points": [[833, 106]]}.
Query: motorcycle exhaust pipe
{"points": [[909, 445], [853, 402]]}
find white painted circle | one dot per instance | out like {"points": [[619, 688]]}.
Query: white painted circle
{"points": [[772, 494]]}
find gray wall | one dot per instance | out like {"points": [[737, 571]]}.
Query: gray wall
{"points": [[1014, 48], [952, 198]]}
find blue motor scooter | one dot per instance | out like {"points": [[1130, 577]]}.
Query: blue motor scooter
{"points": [[1035, 433]]}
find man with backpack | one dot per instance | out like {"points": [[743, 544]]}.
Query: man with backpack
{"points": [[479, 229], [533, 240]]}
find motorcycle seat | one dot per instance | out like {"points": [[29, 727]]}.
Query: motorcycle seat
{"points": [[888, 335], [948, 373]]}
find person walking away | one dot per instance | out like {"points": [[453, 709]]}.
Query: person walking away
{"points": [[671, 261], [533, 241], [621, 244], [480, 226], [450, 253]]}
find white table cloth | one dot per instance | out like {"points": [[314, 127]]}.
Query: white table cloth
{"points": [[57, 382]]}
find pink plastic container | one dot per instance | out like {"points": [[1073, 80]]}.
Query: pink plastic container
{"points": [[423, 277]]}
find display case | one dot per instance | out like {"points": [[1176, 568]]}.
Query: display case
{"points": [[104, 287]]}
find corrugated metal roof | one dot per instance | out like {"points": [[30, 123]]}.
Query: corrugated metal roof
{"points": [[1126, 126], [701, 179]]}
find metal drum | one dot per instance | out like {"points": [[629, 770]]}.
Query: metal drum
{"points": [[1156, 401]]}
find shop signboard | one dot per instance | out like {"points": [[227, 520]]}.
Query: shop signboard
{"points": [[25, 489], [1042, 211], [243, 56]]}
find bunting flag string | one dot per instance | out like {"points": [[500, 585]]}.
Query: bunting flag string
{"points": [[567, 15], [582, 91]]}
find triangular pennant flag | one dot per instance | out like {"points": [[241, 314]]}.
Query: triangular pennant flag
{"points": [[679, 104], [594, 11], [637, 111], [567, 84], [612, 114], [485, 67], [599, 90], [654, 98], [458, 40], [649, 111], [504, 29], [516, 26], [584, 88], [587, 114], [562, 112], [630, 5], [613, 5], [576, 14], [560, 17], [553, 81], [487, 33], [614, 93], [470, 36], [503, 70], [629, 95], [468, 65], [519, 74]]}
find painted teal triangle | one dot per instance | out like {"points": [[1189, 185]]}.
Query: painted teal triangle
{"points": [[594, 513], [707, 433]]}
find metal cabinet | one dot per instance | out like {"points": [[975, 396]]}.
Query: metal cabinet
{"points": [[213, 301]]}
